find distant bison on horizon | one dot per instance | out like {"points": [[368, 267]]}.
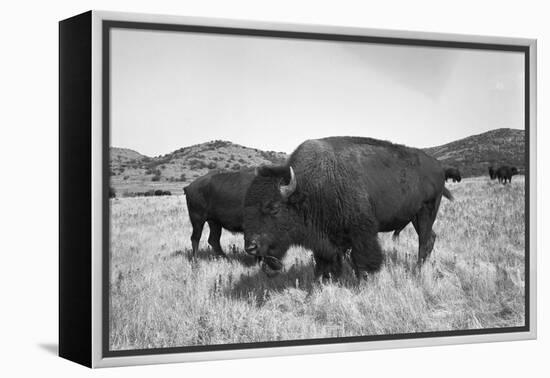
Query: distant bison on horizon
{"points": [[492, 173], [452, 173], [217, 198], [504, 174]]}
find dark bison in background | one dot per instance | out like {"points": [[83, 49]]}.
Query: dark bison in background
{"points": [[217, 198], [504, 173], [492, 173], [338, 193], [452, 173]]}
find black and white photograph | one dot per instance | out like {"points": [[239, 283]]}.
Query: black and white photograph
{"points": [[266, 189], [275, 189]]}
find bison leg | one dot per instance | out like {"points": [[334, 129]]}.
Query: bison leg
{"points": [[196, 235], [396, 233], [395, 236], [214, 238], [423, 223]]}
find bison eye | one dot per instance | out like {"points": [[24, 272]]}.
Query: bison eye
{"points": [[270, 207]]}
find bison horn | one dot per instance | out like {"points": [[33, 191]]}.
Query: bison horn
{"points": [[287, 190]]}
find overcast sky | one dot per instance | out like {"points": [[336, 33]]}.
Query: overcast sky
{"points": [[174, 89]]}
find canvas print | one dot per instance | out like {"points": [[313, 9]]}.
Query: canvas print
{"points": [[268, 189]]}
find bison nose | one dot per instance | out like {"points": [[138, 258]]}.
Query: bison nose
{"points": [[251, 248]]}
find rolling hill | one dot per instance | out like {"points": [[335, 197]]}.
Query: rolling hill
{"points": [[133, 172], [474, 154]]}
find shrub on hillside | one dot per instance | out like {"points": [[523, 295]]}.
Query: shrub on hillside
{"points": [[197, 164], [156, 176], [218, 144]]}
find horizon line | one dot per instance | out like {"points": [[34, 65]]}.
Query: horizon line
{"points": [[288, 153]]}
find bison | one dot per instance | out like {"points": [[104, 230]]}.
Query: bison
{"points": [[337, 193], [217, 198], [492, 173], [160, 192], [452, 173], [504, 174]]}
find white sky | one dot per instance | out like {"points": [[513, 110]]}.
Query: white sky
{"points": [[174, 89]]}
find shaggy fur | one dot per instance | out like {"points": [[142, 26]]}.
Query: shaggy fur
{"points": [[348, 190]]}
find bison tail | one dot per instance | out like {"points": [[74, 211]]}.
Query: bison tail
{"points": [[447, 194]]}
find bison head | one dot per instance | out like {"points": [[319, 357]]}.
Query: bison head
{"points": [[514, 171], [492, 173], [270, 214]]}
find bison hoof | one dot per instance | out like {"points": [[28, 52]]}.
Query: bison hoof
{"points": [[417, 269], [326, 278]]}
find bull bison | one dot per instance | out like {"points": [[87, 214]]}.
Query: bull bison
{"points": [[452, 173], [492, 173], [504, 173], [337, 193], [217, 198]]}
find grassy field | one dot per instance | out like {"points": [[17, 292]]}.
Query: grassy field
{"points": [[160, 298]]}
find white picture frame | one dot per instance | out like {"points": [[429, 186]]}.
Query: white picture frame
{"points": [[82, 270]]}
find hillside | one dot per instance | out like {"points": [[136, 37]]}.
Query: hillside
{"points": [[132, 171], [124, 155], [474, 154]]}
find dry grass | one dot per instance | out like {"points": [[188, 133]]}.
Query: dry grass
{"points": [[159, 298]]}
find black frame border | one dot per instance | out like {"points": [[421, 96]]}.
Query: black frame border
{"points": [[108, 25], [75, 189]]}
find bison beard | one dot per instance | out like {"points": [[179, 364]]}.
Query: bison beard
{"points": [[338, 193]]}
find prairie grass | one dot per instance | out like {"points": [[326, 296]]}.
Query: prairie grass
{"points": [[161, 298]]}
